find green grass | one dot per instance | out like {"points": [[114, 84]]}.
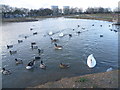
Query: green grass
{"points": [[82, 80]]}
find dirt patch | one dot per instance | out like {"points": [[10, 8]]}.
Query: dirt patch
{"points": [[99, 80]]}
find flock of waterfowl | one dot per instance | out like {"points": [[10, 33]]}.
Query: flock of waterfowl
{"points": [[91, 62]]}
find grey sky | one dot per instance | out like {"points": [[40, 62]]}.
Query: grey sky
{"points": [[35, 4]]}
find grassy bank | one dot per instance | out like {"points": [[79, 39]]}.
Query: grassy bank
{"points": [[26, 19], [98, 80], [19, 19], [104, 17]]}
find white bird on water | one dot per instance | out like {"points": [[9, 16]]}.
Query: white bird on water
{"points": [[91, 62], [50, 33], [61, 35]]}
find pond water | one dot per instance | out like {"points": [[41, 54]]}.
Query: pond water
{"points": [[75, 49]]}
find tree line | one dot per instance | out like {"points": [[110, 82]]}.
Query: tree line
{"points": [[13, 12]]}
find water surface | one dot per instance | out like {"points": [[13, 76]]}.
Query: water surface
{"points": [[75, 49]]}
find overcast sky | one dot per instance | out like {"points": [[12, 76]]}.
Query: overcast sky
{"points": [[36, 4]]}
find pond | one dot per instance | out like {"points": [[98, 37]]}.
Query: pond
{"points": [[75, 50]]}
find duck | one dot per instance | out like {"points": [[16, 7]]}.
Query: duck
{"points": [[37, 57], [34, 47], [33, 43], [30, 65], [101, 35], [5, 72], [34, 33], [115, 30], [58, 47], [70, 35], [31, 28], [18, 61], [54, 40], [13, 52], [91, 62], [42, 65], [40, 51], [110, 29], [78, 32], [26, 37], [93, 25], [9, 46], [63, 65], [78, 25], [61, 35], [73, 29], [83, 28], [20, 41], [101, 25]]}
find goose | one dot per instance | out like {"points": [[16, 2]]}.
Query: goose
{"points": [[34, 33], [5, 72], [36, 58], [73, 29], [53, 40], [18, 61], [50, 33], [101, 25], [42, 65], [20, 41], [34, 47], [9, 46], [30, 65], [12, 52], [91, 62], [58, 47], [70, 35], [61, 35], [63, 65], [93, 25]]}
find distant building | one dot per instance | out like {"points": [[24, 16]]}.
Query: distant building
{"points": [[66, 10], [55, 10]]}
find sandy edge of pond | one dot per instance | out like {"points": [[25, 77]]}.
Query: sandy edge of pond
{"points": [[97, 80]]}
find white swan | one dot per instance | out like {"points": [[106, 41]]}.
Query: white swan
{"points": [[61, 35], [91, 62], [50, 33]]}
